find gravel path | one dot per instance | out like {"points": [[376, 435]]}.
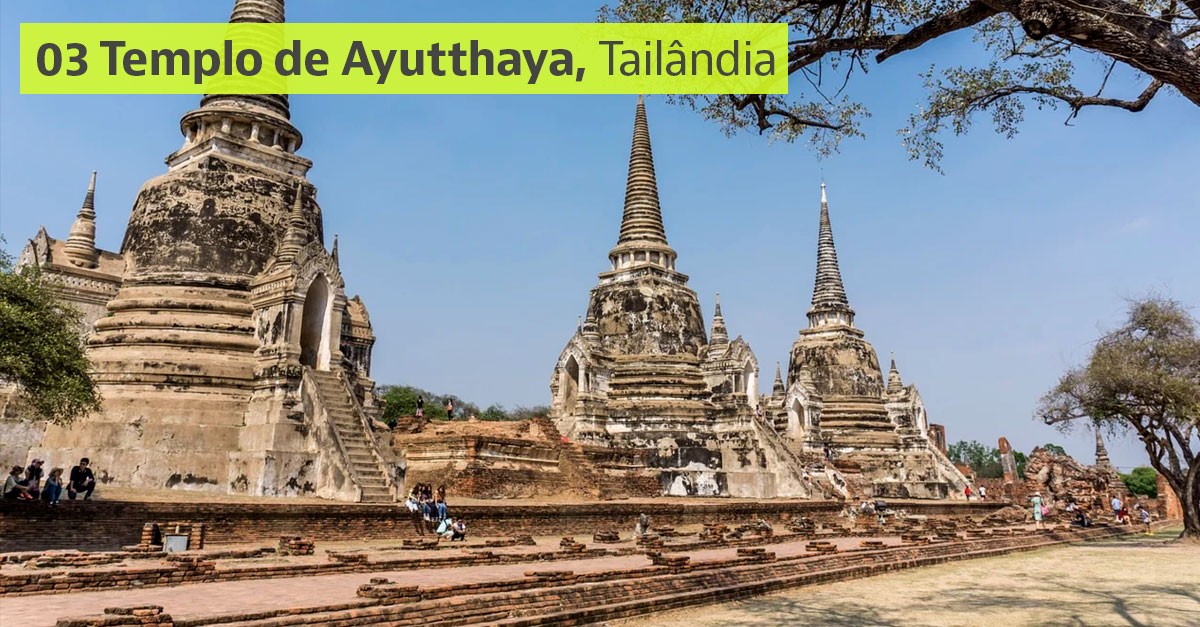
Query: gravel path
{"points": [[1131, 581]]}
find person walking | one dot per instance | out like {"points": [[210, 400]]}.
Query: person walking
{"points": [[420, 407], [983, 493], [967, 492], [1038, 509], [1117, 506], [449, 409]]}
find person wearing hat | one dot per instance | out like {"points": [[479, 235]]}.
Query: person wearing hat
{"points": [[33, 477], [1036, 499]]}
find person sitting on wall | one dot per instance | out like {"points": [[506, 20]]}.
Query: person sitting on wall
{"points": [[53, 489], [1081, 519], [13, 488], [440, 503], [33, 478], [81, 480], [643, 525]]}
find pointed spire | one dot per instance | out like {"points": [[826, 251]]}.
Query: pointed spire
{"points": [[778, 389], [590, 330], [80, 248], [242, 125], [255, 12], [1102, 459], [643, 237], [830, 307], [720, 335], [296, 236], [895, 384], [579, 324], [333, 253]]}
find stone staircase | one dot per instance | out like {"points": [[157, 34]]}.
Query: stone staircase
{"points": [[581, 477], [362, 458], [786, 452]]}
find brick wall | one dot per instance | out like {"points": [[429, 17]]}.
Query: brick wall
{"points": [[110, 525]]}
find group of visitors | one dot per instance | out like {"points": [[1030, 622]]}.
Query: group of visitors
{"points": [[981, 494], [1079, 516], [430, 513], [449, 408], [25, 484]]}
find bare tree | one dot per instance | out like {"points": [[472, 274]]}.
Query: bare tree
{"points": [[1036, 47], [1143, 379]]}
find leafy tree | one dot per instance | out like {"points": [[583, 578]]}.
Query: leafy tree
{"points": [[526, 413], [1142, 480], [1054, 449], [41, 350], [1035, 49], [402, 401], [984, 461], [1143, 379], [494, 412], [1022, 460]]}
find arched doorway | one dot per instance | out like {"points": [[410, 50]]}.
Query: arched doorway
{"points": [[797, 420], [570, 385], [314, 325], [750, 383]]}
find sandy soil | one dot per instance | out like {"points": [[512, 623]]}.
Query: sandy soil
{"points": [[1139, 581]]}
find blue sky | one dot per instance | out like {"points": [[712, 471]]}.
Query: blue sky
{"points": [[474, 226]]}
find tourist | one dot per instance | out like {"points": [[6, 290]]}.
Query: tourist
{"points": [[643, 525], [54, 487], [458, 531], [983, 493], [1117, 506], [449, 409], [440, 503], [1144, 514], [1039, 509], [420, 406], [414, 509], [81, 480], [33, 478], [1081, 519], [445, 529], [14, 488], [967, 492]]}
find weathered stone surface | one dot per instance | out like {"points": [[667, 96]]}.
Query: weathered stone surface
{"points": [[227, 353]]}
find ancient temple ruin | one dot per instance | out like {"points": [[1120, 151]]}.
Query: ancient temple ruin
{"points": [[641, 373], [836, 399], [227, 353]]}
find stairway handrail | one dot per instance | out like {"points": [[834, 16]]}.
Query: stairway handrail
{"points": [[366, 425], [309, 379], [797, 465]]}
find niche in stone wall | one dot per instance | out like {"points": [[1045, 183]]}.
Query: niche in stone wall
{"points": [[570, 385], [314, 324]]}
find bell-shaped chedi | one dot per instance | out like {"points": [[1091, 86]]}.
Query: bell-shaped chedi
{"points": [[640, 374], [230, 358]]}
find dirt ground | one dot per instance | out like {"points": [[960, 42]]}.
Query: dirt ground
{"points": [[1139, 581]]}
